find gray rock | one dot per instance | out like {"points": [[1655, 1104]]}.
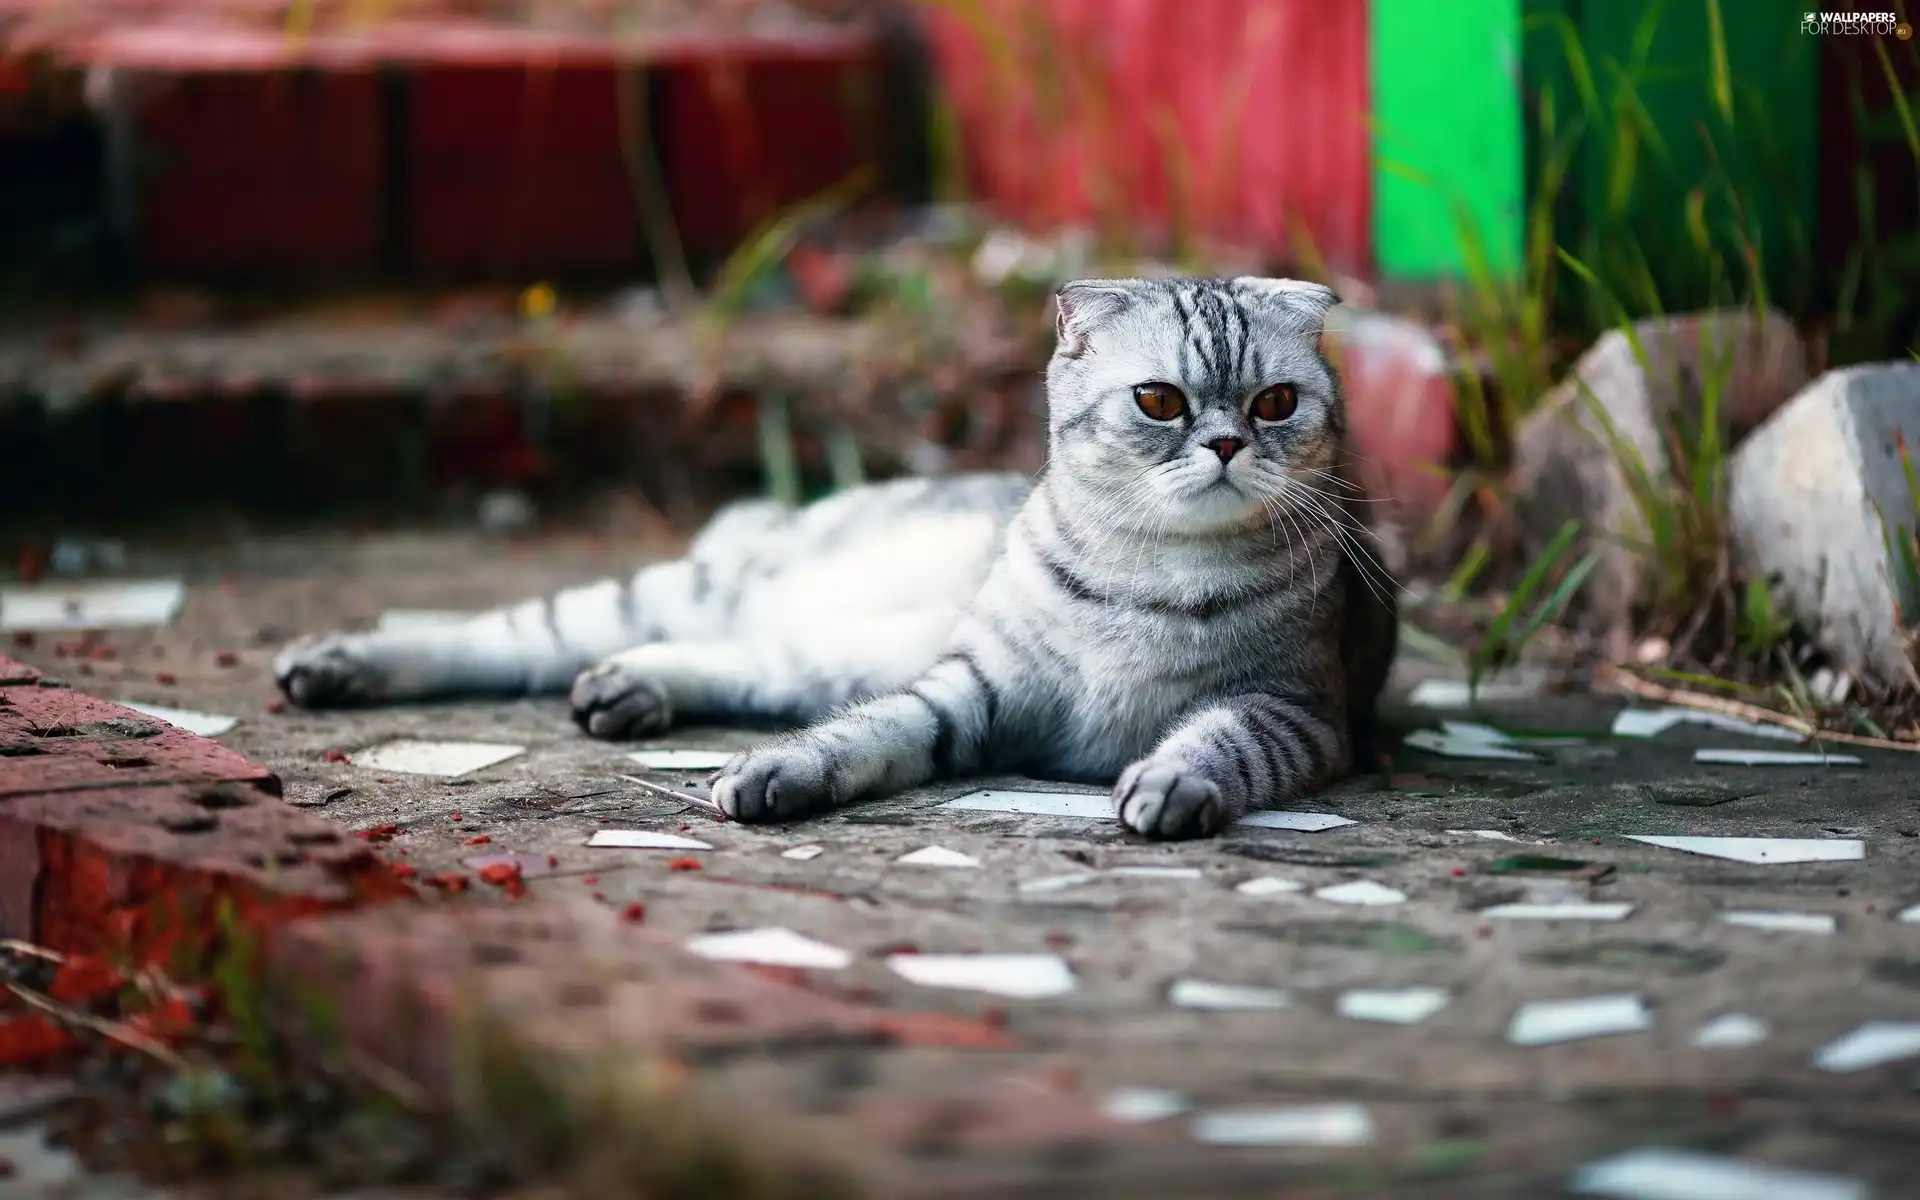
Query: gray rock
{"points": [[1565, 467], [1817, 498]]}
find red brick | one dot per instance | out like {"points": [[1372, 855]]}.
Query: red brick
{"points": [[143, 871], [60, 740], [1398, 379], [13, 673]]}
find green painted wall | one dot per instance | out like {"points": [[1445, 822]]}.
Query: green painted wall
{"points": [[1447, 108]]}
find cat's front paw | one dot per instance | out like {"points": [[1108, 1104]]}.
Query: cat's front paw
{"points": [[1168, 799], [776, 782], [329, 670], [619, 702]]}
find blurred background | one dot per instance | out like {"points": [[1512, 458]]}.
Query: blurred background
{"points": [[613, 261]]}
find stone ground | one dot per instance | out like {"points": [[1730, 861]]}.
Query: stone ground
{"points": [[1456, 1109]]}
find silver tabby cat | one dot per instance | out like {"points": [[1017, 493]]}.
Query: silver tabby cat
{"points": [[1184, 601]]}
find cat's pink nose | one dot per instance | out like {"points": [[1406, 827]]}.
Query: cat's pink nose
{"points": [[1226, 448]]}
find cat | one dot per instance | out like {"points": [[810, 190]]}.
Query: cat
{"points": [[1183, 604]]}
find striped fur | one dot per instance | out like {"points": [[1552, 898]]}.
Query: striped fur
{"points": [[1210, 632]]}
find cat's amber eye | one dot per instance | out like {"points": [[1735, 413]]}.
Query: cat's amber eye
{"points": [[1161, 401], [1276, 403]]}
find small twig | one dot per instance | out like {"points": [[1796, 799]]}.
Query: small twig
{"points": [[699, 802], [15, 946], [1634, 685], [394, 1085], [113, 1031]]}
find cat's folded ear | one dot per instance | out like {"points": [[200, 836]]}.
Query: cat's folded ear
{"points": [[1083, 306], [1311, 300]]}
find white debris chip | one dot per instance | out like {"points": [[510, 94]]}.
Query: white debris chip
{"points": [[642, 839], [772, 947], [49, 608], [1652, 722], [1545, 1022], [1730, 1031], [1360, 891], [1099, 807], [1763, 850], [1272, 885], [937, 856], [803, 853], [1658, 1173], [1774, 758], [1576, 911], [1872, 1044], [682, 760], [412, 620], [1298, 822], [1083, 805], [1141, 1106], [1224, 997], [1056, 883], [1463, 739], [1158, 872], [1783, 922], [1021, 976], [203, 724], [1402, 1006], [1910, 916], [445, 759], [1491, 835], [1324, 1125], [1454, 693]]}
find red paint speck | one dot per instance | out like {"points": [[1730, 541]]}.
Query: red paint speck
{"points": [[634, 913], [168, 678], [379, 833], [452, 881], [684, 828], [478, 840], [1058, 941], [336, 756], [553, 860], [589, 880], [403, 871], [1484, 931], [23, 639], [684, 864], [1459, 871], [600, 896], [227, 658], [276, 706], [1596, 841], [455, 817], [993, 1017]]}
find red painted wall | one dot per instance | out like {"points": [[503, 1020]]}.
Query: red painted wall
{"points": [[1241, 119]]}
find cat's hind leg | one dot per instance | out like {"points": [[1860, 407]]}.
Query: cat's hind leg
{"points": [[529, 648], [794, 675]]}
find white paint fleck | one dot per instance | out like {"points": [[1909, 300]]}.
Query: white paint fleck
{"points": [[1774, 758], [1141, 1105], [1056, 883], [1297, 822], [1870, 1045], [682, 760], [445, 759], [49, 608], [771, 947], [803, 853], [1021, 976], [204, 724], [1269, 885], [1224, 997], [1783, 922], [1545, 1022], [1659, 1173], [937, 856], [642, 839], [1324, 1125], [1157, 872], [1763, 850], [1730, 1031], [1652, 722], [1577, 911], [1401, 1006], [1360, 891]]}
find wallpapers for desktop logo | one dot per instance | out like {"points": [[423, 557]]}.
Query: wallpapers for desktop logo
{"points": [[1857, 24]]}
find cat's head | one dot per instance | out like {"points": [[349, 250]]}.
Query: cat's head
{"points": [[1194, 404]]}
